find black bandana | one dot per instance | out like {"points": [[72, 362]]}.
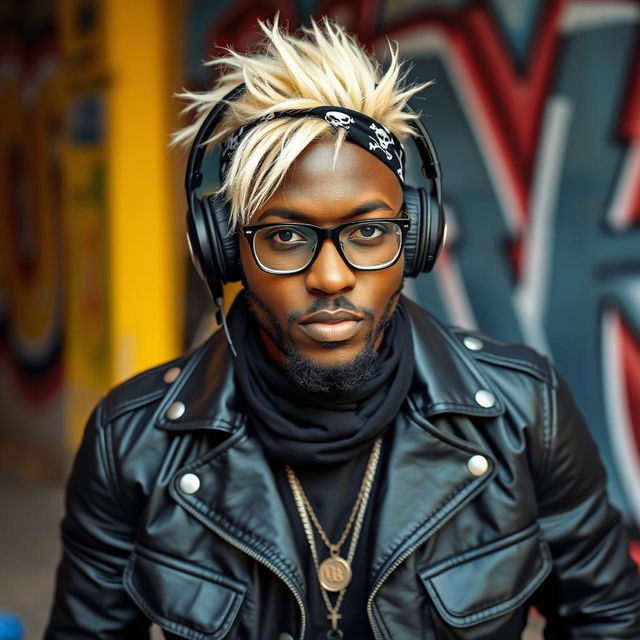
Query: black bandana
{"points": [[361, 130], [300, 427]]}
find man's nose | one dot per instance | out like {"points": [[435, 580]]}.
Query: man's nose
{"points": [[329, 274]]}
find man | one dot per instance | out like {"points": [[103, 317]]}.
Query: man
{"points": [[356, 470]]}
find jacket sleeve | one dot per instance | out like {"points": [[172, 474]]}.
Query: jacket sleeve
{"points": [[97, 537], [594, 588]]}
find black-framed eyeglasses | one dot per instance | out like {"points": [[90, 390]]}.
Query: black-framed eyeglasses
{"points": [[284, 248]]}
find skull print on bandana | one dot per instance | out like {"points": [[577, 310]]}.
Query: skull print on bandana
{"points": [[339, 119], [360, 129], [383, 139]]}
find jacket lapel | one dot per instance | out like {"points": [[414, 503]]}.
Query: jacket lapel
{"points": [[239, 500], [427, 481]]}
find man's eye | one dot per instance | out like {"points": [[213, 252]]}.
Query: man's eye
{"points": [[285, 236], [366, 232]]}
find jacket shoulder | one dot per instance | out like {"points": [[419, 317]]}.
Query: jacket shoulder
{"points": [[481, 348], [142, 389], [158, 385], [491, 351]]}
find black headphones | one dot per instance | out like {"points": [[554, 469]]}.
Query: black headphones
{"points": [[215, 251]]}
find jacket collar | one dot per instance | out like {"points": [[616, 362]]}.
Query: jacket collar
{"points": [[446, 380]]}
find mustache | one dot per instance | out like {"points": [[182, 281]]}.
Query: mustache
{"points": [[341, 303]]}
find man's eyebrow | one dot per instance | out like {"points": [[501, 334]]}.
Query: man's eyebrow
{"points": [[299, 216], [283, 212], [368, 207]]}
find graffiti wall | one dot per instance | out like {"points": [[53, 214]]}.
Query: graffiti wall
{"points": [[535, 112], [31, 269]]}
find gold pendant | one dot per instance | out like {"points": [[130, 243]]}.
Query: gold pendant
{"points": [[334, 573]]}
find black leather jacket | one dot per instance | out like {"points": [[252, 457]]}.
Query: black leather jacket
{"points": [[459, 553]]}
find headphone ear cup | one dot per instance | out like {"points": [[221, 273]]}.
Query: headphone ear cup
{"points": [[214, 250], [425, 236], [199, 243], [417, 209], [225, 253]]}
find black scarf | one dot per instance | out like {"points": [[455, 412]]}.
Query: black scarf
{"points": [[299, 427]]}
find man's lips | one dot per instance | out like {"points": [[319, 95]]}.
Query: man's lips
{"points": [[331, 317], [331, 326]]}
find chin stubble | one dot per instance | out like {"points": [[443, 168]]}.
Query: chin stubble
{"points": [[318, 378]]}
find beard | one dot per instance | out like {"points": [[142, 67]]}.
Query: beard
{"points": [[318, 378], [311, 376]]}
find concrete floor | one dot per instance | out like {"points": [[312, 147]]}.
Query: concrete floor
{"points": [[29, 548], [30, 512]]}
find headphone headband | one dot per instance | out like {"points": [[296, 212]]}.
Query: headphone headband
{"points": [[193, 177]]}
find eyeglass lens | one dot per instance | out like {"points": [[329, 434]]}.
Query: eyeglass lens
{"points": [[291, 247]]}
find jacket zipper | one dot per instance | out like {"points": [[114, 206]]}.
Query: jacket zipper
{"points": [[265, 562], [392, 568]]}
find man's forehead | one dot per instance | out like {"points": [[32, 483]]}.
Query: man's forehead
{"points": [[322, 187]]}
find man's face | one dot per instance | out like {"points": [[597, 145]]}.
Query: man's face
{"points": [[331, 313]]}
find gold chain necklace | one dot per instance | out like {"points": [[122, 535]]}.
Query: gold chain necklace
{"points": [[334, 572]]}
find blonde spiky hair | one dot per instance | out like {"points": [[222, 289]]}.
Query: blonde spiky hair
{"points": [[321, 65]]}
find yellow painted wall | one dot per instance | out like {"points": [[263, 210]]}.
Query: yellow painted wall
{"points": [[125, 246], [143, 273]]}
